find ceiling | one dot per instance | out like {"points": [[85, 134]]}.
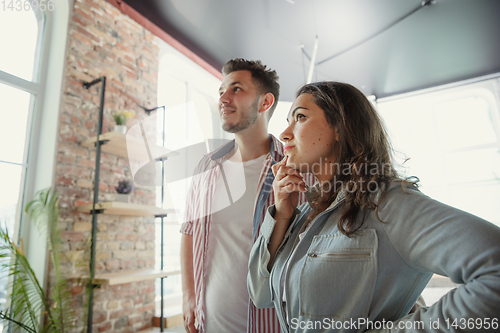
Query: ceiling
{"points": [[447, 41]]}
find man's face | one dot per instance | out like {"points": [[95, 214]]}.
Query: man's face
{"points": [[238, 101]]}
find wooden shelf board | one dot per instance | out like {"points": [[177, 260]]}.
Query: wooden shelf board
{"points": [[127, 146], [122, 277], [123, 208], [169, 321]]}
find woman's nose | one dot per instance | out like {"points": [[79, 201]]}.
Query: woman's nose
{"points": [[286, 135]]}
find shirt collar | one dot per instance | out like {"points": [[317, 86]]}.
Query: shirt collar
{"points": [[223, 153]]}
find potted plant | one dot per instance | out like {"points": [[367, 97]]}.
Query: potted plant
{"points": [[120, 120], [28, 300], [124, 188]]}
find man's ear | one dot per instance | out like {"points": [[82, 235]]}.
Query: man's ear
{"points": [[266, 101]]}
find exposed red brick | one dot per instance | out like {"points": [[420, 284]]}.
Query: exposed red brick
{"points": [[148, 289], [83, 39], [104, 42], [148, 307], [106, 327], [73, 236], [62, 158], [117, 314], [80, 21], [90, 125], [132, 237], [76, 290], [86, 16], [99, 317]]}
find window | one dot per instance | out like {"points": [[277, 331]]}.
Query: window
{"points": [[21, 40], [190, 97], [452, 140]]}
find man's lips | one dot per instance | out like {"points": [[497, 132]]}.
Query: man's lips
{"points": [[226, 112], [287, 148]]}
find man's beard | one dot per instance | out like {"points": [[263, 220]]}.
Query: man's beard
{"points": [[249, 119]]}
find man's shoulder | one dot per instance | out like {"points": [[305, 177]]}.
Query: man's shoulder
{"points": [[216, 155]]}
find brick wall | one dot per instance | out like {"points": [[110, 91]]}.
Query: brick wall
{"points": [[104, 42]]}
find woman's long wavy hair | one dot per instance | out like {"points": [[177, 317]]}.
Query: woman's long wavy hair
{"points": [[362, 155]]}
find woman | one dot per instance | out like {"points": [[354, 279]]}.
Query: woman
{"points": [[359, 254]]}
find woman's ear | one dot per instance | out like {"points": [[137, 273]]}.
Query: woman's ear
{"points": [[336, 134], [266, 101]]}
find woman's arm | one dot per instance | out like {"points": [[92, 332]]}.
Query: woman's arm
{"points": [[444, 240], [259, 261]]}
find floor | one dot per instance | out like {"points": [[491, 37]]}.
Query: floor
{"points": [[177, 329]]}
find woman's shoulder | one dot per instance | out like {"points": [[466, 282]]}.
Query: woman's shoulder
{"points": [[398, 192], [404, 204]]}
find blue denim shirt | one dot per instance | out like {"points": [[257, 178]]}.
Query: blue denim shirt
{"points": [[371, 280]]}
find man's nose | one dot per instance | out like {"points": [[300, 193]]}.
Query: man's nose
{"points": [[224, 98]]}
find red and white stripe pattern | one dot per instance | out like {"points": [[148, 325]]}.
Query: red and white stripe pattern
{"points": [[198, 220]]}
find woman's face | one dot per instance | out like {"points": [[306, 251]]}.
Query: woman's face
{"points": [[309, 138]]}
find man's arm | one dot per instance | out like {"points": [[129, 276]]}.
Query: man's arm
{"points": [[188, 293]]}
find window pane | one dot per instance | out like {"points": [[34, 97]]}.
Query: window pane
{"points": [[464, 123], [473, 166], [18, 41], [480, 200], [14, 110], [10, 178]]}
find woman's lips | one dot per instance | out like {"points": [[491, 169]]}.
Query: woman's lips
{"points": [[287, 148]]}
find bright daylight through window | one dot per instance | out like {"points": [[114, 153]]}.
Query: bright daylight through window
{"points": [[452, 140], [18, 76]]}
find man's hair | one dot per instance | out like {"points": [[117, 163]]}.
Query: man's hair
{"points": [[265, 79]]}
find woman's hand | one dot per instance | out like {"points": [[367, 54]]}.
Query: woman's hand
{"points": [[287, 184]]}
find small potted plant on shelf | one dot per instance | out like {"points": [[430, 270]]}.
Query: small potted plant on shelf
{"points": [[120, 119], [124, 188]]}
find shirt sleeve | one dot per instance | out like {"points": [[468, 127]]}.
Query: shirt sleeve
{"points": [[258, 282], [258, 275], [450, 242], [193, 200], [187, 225]]}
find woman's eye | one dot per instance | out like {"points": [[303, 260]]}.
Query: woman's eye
{"points": [[299, 116], [236, 89]]}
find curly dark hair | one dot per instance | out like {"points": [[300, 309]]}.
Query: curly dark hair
{"points": [[362, 155], [265, 79]]}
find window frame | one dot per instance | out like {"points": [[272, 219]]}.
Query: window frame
{"points": [[36, 89], [43, 124]]}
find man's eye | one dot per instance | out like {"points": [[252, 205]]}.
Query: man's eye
{"points": [[236, 89]]}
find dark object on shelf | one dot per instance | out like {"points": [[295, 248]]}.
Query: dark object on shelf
{"points": [[125, 186]]}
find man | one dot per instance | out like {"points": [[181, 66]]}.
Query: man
{"points": [[219, 230]]}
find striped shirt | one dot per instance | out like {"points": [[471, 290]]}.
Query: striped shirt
{"points": [[198, 221]]}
